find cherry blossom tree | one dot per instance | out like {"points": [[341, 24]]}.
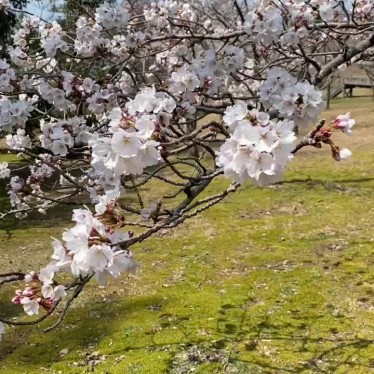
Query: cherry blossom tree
{"points": [[100, 111]]}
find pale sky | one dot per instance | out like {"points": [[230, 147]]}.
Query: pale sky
{"points": [[41, 8]]}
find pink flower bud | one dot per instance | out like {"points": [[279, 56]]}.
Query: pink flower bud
{"points": [[16, 300], [27, 292], [344, 123]]}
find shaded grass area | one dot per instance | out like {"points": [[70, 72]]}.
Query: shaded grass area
{"points": [[273, 280], [8, 157]]}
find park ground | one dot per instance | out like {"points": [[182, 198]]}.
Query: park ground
{"points": [[273, 280]]}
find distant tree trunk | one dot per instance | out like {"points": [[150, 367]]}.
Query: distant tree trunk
{"points": [[328, 99], [194, 151], [296, 130]]}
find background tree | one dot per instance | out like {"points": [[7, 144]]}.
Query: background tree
{"points": [[8, 20], [71, 9]]}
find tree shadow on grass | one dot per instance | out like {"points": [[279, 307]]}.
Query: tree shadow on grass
{"points": [[234, 341], [138, 324], [328, 360], [322, 182], [324, 353], [82, 329], [247, 353]]}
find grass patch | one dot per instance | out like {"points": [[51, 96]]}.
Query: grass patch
{"points": [[9, 157], [273, 280]]}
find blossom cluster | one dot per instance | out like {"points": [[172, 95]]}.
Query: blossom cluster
{"points": [[91, 247], [158, 12], [19, 141], [18, 199], [258, 147], [4, 170], [14, 113], [266, 23], [26, 194], [40, 291], [129, 146], [7, 74], [60, 135], [112, 15], [299, 101]]}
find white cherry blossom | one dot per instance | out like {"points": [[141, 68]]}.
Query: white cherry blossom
{"points": [[30, 306], [4, 170]]}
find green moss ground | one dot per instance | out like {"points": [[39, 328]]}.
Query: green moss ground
{"points": [[274, 280]]}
